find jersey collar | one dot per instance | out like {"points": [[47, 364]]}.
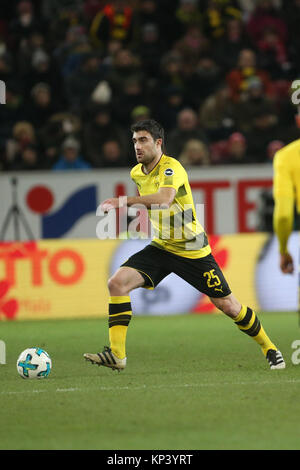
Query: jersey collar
{"points": [[147, 174]]}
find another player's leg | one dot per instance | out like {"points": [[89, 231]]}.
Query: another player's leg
{"points": [[119, 285], [246, 320]]}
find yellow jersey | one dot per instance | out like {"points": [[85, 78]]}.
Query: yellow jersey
{"points": [[176, 229], [286, 190]]}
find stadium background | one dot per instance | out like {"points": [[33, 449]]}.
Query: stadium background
{"points": [[217, 74]]}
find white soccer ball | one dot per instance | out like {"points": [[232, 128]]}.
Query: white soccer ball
{"points": [[34, 363]]}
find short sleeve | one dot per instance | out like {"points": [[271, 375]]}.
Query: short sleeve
{"points": [[131, 174], [172, 176]]}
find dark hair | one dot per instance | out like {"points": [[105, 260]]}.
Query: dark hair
{"points": [[151, 126]]}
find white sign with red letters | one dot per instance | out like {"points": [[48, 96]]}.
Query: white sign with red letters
{"points": [[49, 205]]}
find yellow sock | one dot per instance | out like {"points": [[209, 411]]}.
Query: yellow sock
{"points": [[248, 322], [118, 320]]}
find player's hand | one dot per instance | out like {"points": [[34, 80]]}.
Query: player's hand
{"points": [[110, 204], [113, 203], [286, 263]]}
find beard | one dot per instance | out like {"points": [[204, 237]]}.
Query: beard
{"points": [[145, 159]]}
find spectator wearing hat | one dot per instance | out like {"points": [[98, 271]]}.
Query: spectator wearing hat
{"points": [[70, 158], [273, 147], [140, 113], [237, 149]]}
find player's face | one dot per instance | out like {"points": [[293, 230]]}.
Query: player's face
{"points": [[146, 149]]}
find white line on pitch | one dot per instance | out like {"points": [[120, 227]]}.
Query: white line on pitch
{"points": [[155, 387]]}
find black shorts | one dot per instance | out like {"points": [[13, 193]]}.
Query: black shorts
{"points": [[154, 264]]}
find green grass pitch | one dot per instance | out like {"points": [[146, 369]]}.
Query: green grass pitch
{"points": [[192, 382]]}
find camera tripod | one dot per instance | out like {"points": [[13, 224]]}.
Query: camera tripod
{"points": [[16, 215]]}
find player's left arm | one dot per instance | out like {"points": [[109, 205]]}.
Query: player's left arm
{"points": [[283, 216]]}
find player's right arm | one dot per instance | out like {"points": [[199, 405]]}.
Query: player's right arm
{"points": [[283, 217], [163, 198]]}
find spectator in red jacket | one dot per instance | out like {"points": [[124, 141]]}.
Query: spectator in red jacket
{"points": [[238, 78]]}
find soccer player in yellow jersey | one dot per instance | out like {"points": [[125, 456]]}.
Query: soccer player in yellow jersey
{"points": [[180, 246], [286, 191]]}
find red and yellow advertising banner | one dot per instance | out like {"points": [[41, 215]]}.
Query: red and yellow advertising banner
{"points": [[68, 278], [54, 279]]}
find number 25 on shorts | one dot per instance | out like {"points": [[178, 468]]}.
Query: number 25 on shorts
{"points": [[213, 279]]}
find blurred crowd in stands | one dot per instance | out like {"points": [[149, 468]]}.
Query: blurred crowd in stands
{"points": [[216, 74]]}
